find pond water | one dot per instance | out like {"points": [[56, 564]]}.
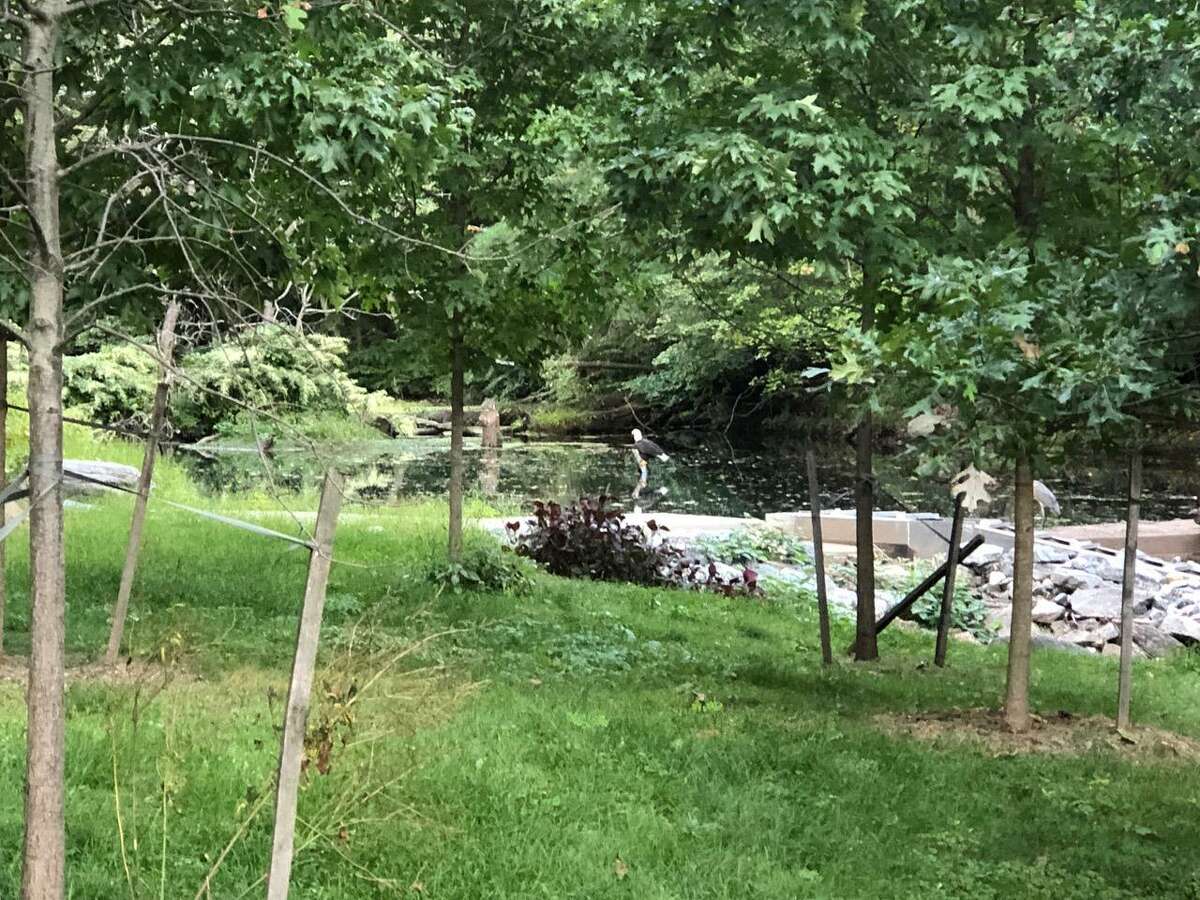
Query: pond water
{"points": [[711, 477]]}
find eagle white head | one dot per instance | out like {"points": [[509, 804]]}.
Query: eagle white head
{"points": [[637, 435]]}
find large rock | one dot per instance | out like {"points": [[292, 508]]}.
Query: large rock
{"points": [[1047, 611], [1070, 579], [986, 555], [1178, 595], [1046, 642], [1051, 553], [1185, 628], [1154, 641], [842, 598], [1000, 621], [80, 476], [1146, 575], [83, 477], [1097, 603], [998, 582]]}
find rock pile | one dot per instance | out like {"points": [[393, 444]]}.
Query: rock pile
{"points": [[1077, 599]]}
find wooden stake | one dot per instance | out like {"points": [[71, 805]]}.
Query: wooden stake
{"points": [[1020, 638], [304, 663], [814, 502], [166, 350], [1125, 679], [943, 633]]}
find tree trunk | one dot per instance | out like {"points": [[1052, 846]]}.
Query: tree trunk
{"points": [[1016, 706], [814, 502], [43, 875], [943, 633], [1125, 679], [866, 646], [3, 480], [455, 546], [166, 349]]}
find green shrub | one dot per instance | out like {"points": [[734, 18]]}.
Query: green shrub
{"points": [[969, 613], [746, 546], [267, 367], [113, 384], [485, 567]]}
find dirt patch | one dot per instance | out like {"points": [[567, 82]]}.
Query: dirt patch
{"points": [[16, 669], [1060, 734]]}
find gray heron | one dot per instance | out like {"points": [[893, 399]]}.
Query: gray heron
{"points": [[1045, 499]]}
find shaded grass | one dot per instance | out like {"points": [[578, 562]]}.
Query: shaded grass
{"points": [[551, 733]]}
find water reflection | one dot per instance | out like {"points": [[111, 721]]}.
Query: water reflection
{"points": [[709, 478]]}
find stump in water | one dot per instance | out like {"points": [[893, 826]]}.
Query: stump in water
{"points": [[489, 423]]}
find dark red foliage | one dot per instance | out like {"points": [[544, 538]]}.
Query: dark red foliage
{"points": [[591, 539]]}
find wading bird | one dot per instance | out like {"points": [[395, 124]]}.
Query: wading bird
{"points": [[1045, 499]]}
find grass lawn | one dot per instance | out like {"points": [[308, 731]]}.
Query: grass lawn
{"points": [[551, 745]]}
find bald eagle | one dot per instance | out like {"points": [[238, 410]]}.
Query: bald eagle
{"points": [[647, 448]]}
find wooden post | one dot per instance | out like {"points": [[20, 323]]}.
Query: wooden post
{"points": [[304, 663], [943, 633], [489, 424], [1125, 679], [166, 350], [814, 502], [1020, 638]]}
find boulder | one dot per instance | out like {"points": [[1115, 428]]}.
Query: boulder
{"points": [[1070, 579], [1045, 642], [1185, 628], [1145, 574], [987, 555], [1082, 637], [1097, 603], [1051, 553], [1047, 611], [1178, 595], [998, 582], [842, 598], [1000, 621], [1154, 641], [80, 476], [1091, 563]]}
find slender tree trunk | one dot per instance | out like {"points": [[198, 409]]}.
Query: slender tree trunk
{"points": [[1016, 706], [1125, 679], [3, 480], [158, 414], [865, 644], [43, 875], [455, 548], [943, 633], [814, 502]]}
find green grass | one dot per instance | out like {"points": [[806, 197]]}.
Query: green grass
{"points": [[550, 733]]}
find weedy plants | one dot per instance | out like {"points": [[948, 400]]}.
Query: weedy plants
{"points": [[486, 567], [746, 546]]}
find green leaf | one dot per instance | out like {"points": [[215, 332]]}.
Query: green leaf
{"points": [[294, 16]]}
